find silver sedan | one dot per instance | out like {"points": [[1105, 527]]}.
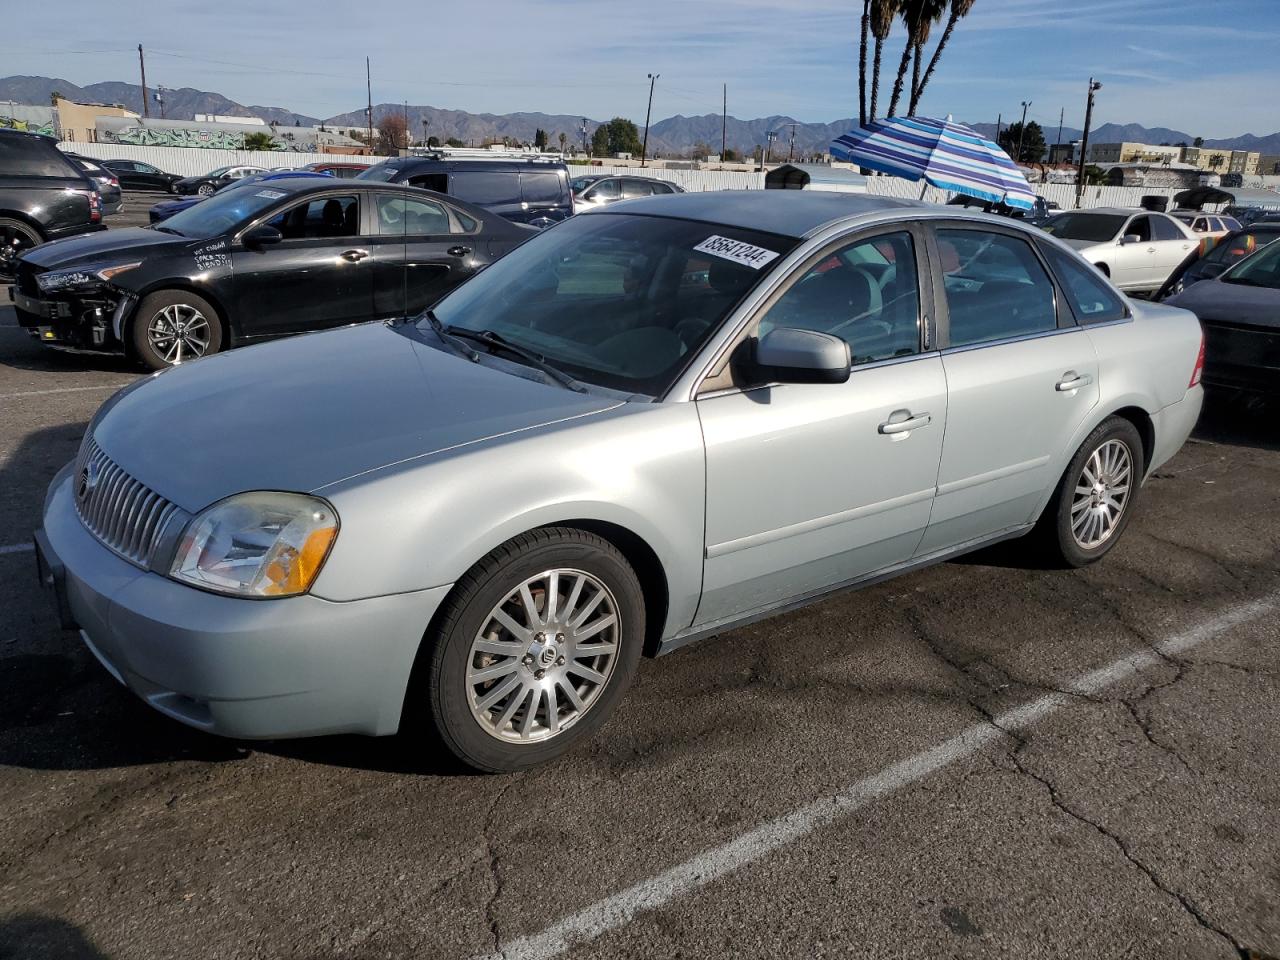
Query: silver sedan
{"points": [[640, 428]]}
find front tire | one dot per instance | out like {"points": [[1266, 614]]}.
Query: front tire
{"points": [[205, 190], [16, 238], [172, 327], [533, 650], [1095, 498]]}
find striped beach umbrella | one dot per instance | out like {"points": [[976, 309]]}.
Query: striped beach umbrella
{"points": [[943, 153]]}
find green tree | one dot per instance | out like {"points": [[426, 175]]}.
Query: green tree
{"points": [[620, 136], [918, 16], [959, 10], [1095, 176], [258, 141], [540, 139], [862, 62], [600, 141], [1198, 142], [1033, 145], [731, 155], [883, 13], [433, 141], [454, 142]]}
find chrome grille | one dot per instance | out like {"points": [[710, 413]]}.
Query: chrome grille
{"points": [[120, 511]]}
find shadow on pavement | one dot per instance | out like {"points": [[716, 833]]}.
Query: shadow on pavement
{"points": [[35, 936]]}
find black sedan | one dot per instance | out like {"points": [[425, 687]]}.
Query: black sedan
{"points": [[1229, 250], [1240, 312], [248, 265], [136, 175], [210, 183]]}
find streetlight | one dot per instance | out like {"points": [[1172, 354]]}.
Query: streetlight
{"points": [[1022, 130], [584, 137], [644, 147], [1094, 87]]}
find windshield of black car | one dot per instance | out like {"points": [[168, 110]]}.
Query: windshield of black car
{"points": [[621, 301], [1094, 227], [1260, 270], [224, 210], [381, 172]]}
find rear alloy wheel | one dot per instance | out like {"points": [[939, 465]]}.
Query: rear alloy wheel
{"points": [[1095, 498], [16, 237], [534, 650], [174, 326]]}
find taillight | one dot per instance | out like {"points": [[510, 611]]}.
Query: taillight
{"points": [[115, 182], [95, 208], [1199, 370]]}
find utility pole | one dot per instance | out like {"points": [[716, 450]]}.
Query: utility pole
{"points": [[368, 115], [999, 117], [1061, 116], [142, 65], [405, 116], [770, 139], [791, 144], [1022, 130], [160, 99], [724, 121], [1094, 87], [644, 147], [585, 148]]}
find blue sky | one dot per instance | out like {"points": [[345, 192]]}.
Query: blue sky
{"points": [[1204, 66]]}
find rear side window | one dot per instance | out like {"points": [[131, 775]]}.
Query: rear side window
{"points": [[1091, 299], [604, 190], [635, 188], [659, 188], [410, 216], [541, 187], [30, 157], [486, 187], [322, 217], [439, 182], [996, 287], [1163, 228]]}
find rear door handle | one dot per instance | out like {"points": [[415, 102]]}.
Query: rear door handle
{"points": [[1072, 381], [906, 424], [354, 255], [458, 251]]}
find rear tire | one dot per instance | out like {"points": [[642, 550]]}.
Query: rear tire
{"points": [[172, 327], [563, 676], [1096, 496]]}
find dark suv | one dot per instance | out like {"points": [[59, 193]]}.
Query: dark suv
{"points": [[43, 196], [535, 192]]}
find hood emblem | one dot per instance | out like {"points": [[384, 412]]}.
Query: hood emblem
{"points": [[88, 483]]}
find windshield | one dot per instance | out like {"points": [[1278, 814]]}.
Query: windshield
{"points": [[218, 172], [224, 210], [382, 172], [1260, 270], [1094, 227], [620, 301]]}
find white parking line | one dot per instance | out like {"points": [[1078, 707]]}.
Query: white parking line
{"points": [[17, 548], [688, 877], [45, 393]]}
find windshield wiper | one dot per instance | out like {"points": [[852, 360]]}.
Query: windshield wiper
{"points": [[496, 342], [455, 343], [163, 229]]}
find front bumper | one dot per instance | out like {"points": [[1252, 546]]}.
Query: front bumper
{"points": [[81, 319], [254, 669]]}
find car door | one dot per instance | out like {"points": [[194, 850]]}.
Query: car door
{"points": [[149, 177], [1021, 378], [813, 485], [419, 250], [318, 275], [1172, 245], [1135, 260], [633, 187], [602, 193]]}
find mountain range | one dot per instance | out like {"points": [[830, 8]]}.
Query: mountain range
{"points": [[670, 136]]}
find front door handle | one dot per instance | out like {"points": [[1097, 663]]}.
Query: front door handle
{"points": [[1072, 381], [905, 423], [353, 256], [458, 251]]}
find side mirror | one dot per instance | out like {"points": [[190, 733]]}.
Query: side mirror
{"points": [[261, 236], [1130, 238], [791, 355]]}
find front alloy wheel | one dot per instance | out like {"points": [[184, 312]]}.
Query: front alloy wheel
{"points": [[174, 326]]}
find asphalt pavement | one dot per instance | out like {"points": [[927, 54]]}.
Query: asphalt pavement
{"points": [[982, 759]]}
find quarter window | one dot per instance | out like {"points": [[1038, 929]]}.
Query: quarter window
{"points": [[995, 287], [866, 293], [1091, 298]]}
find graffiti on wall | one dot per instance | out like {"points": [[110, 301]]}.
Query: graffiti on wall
{"points": [[13, 123], [140, 136]]}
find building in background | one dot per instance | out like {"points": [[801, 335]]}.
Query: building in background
{"points": [[1126, 152], [1222, 160], [77, 122], [222, 135], [25, 116]]}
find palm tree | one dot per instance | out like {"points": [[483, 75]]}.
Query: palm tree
{"points": [[930, 13], [918, 16], [258, 141], [959, 10], [862, 63], [882, 14]]}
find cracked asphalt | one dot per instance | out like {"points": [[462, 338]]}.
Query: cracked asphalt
{"points": [[1137, 817]]}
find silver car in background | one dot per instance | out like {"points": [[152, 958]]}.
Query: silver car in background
{"points": [[641, 428], [1137, 249], [594, 191]]}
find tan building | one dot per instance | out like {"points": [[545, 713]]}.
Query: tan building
{"points": [[1133, 153], [1269, 164], [78, 122], [1222, 160]]}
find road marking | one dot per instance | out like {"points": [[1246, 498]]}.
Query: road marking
{"points": [[45, 393], [17, 548], [686, 878]]}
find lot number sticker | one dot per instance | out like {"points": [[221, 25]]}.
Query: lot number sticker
{"points": [[737, 251]]}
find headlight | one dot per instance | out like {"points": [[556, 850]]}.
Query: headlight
{"points": [[57, 280], [262, 544]]}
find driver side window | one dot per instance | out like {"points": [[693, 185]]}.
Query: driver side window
{"points": [[866, 293]]}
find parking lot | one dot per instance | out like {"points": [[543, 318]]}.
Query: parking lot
{"points": [[983, 759]]}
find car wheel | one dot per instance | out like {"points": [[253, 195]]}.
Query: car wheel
{"points": [[1095, 498], [205, 189], [174, 326], [15, 237], [533, 649]]}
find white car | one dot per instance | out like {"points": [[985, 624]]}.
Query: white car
{"points": [[1206, 225], [1137, 249]]}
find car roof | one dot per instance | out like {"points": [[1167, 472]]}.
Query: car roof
{"points": [[475, 163], [790, 213]]}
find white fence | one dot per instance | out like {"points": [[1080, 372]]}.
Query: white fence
{"points": [[190, 162]]}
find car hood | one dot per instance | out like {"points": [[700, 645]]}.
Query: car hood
{"points": [[99, 247], [304, 413], [1213, 300]]}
